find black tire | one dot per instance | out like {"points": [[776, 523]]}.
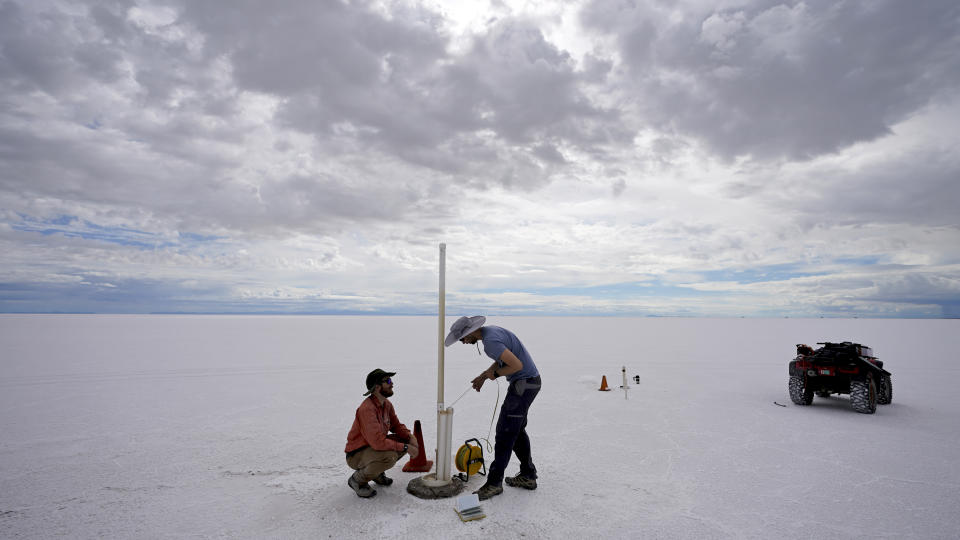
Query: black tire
{"points": [[800, 393], [863, 395], [885, 390]]}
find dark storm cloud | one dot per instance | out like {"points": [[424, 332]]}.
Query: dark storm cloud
{"points": [[159, 87], [328, 46], [162, 124], [350, 72], [42, 48], [34, 54], [921, 191], [921, 288], [789, 79]]}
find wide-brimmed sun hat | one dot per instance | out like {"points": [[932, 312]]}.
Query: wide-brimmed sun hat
{"points": [[463, 327], [375, 377]]}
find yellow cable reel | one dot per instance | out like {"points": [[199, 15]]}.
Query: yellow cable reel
{"points": [[469, 458]]}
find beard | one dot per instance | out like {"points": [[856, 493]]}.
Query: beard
{"points": [[386, 392]]}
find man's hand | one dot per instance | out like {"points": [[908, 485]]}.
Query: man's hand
{"points": [[478, 381], [412, 448]]}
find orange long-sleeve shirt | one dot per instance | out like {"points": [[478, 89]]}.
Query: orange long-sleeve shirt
{"points": [[371, 425]]}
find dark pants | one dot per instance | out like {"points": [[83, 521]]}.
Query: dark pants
{"points": [[512, 430]]}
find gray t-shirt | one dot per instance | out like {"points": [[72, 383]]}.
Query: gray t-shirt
{"points": [[496, 339]]}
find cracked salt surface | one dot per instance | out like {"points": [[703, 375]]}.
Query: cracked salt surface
{"points": [[234, 427]]}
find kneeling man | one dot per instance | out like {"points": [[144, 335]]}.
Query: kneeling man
{"points": [[377, 439]]}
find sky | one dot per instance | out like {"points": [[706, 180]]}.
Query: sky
{"points": [[641, 158]]}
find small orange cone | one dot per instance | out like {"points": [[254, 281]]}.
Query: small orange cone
{"points": [[603, 385], [419, 463]]}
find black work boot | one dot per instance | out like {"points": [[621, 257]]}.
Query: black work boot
{"points": [[521, 481], [487, 491], [361, 486], [383, 480]]}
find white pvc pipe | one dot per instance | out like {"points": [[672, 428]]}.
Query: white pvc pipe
{"points": [[444, 416], [441, 322], [443, 474], [443, 468]]}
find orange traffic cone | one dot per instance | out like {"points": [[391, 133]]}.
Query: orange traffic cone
{"points": [[419, 463], [603, 385]]}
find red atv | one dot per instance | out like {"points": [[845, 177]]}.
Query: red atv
{"points": [[840, 368]]}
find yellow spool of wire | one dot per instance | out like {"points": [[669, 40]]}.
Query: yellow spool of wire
{"points": [[469, 459]]}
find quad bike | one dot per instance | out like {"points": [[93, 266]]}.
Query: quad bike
{"points": [[840, 368]]}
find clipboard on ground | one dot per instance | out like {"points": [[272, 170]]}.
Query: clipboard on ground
{"points": [[468, 507]]}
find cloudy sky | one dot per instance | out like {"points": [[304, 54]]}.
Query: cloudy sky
{"points": [[609, 157]]}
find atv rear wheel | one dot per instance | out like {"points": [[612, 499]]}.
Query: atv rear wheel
{"points": [[863, 395], [800, 393], [885, 390]]}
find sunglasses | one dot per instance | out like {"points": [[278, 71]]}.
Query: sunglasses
{"points": [[387, 381]]}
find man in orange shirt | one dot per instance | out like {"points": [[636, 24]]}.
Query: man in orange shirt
{"points": [[377, 439]]}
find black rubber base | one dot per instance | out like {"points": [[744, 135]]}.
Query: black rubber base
{"points": [[418, 488]]}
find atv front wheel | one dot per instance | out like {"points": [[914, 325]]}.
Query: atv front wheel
{"points": [[800, 393], [863, 395], [885, 391]]}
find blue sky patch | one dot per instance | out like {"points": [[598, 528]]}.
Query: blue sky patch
{"points": [[779, 272], [860, 261], [74, 227], [193, 238], [653, 288]]}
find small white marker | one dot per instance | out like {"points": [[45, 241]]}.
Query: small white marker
{"points": [[625, 386]]}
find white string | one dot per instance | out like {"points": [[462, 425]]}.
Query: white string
{"points": [[461, 396], [492, 416]]}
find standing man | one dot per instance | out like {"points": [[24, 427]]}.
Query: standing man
{"points": [[377, 439], [512, 360]]}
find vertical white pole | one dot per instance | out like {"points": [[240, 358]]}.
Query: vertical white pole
{"points": [[440, 324], [444, 416]]}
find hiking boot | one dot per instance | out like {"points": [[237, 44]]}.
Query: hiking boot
{"points": [[362, 488], [383, 480], [487, 490], [521, 481]]}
